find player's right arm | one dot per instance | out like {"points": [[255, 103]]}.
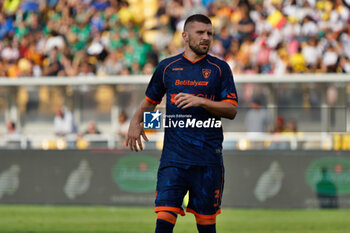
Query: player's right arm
{"points": [[154, 93], [136, 129]]}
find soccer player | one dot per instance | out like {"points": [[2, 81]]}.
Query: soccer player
{"points": [[198, 87]]}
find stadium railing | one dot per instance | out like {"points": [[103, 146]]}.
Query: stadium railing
{"points": [[144, 79], [233, 141]]}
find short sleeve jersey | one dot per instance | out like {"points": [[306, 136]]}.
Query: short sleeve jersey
{"points": [[209, 78]]}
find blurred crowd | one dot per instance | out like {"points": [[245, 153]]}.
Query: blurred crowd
{"points": [[117, 37]]}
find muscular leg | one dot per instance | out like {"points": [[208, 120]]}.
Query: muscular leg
{"points": [[205, 196], [171, 189]]}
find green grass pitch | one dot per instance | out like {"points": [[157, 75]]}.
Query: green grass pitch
{"points": [[92, 219]]}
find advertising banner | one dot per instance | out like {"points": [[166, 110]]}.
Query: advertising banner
{"points": [[253, 179]]}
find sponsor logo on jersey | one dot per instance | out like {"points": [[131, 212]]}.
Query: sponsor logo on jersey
{"points": [[190, 83]]}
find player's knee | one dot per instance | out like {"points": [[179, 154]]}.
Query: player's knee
{"points": [[168, 216], [205, 221]]}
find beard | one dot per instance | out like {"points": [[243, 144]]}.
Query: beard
{"points": [[197, 49]]}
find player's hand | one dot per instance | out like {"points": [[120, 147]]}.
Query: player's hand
{"points": [[133, 140], [184, 100]]}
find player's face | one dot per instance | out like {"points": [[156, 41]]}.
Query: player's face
{"points": [[199, 37]]}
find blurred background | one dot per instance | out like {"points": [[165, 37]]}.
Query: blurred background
{"points": [[72, 73], [290, 60]]}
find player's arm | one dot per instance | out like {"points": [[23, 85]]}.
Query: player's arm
{"points": [[217, 108], [136, 129], [154, 94]]}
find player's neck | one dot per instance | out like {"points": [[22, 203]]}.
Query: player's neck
{"points": [[193, 57]]}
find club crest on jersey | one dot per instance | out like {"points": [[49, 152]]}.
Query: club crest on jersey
{"points": [[206, 73]]}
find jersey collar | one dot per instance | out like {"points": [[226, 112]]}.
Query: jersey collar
{"points": [[193, 62]]}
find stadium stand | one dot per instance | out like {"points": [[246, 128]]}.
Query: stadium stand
{"points": [[70, 38]]}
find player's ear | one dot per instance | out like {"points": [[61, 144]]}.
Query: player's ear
{"points": [[185, 36]]}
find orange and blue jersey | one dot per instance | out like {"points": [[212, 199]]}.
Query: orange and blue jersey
{"points": [[208, 77]]}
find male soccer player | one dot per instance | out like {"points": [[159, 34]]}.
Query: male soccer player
{"points": [[198, 87]]}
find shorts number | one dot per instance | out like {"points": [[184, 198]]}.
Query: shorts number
{"points": [[217, 197]]}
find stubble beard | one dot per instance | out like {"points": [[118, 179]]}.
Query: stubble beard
{"points": [[198, 50]]}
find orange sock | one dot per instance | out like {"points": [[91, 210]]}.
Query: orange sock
{"points": [[165, 222]]}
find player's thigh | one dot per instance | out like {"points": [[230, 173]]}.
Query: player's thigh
{"points": [[207, 184], [171, 186]]}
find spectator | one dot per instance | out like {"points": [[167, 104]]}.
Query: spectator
{"points": [[148, 68], [11, 6], [174, 10], [291, 127], [257, 119], [123, 127], [113, 64], [81, 31], [297, 62], [330, 60], [225, 38], [345, 64], [292, 130], [164, 37], [11, 128], [10, 51], [55, 41], [86, 69], [64, 123], [311, 54], [245, 26], [309, 27], [280, 61], [51, 64], [279, 126], [101, 27], [332, 99], [34, 23], [6, 26], [13, 139], [263, 58], [92, 129]]}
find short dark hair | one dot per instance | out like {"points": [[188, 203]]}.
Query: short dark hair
{"points": [[197, 18]]}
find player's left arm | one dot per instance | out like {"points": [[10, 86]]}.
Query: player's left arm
{"points": [[217, 108], [226, 103]]}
